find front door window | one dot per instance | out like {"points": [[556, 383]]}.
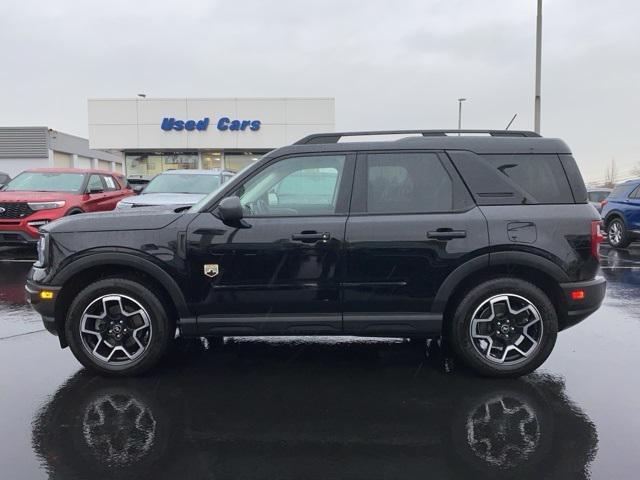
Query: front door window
{"points": [[299, 186]]}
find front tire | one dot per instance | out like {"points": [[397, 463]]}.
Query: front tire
{"points": [[504, 327], [118, 327], [617, 234]]}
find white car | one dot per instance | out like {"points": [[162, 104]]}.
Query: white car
{"points": [[177, 188]]}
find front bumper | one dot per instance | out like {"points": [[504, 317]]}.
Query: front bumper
{"points": [[46, 307], [578, 309], [16, 238], [17, 231]]}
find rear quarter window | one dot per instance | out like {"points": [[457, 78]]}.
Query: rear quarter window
{"points": [[542, 176], [622, 191]]}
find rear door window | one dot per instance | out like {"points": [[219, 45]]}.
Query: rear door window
{"points": [[407, 182], [541, 176]]}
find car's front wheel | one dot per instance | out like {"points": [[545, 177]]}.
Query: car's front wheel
{"points": [[504, 327], [118, 326], [617, 234]]}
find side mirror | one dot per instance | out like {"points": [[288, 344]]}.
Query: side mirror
{"points": [[137, 189], [94, 190], [230, 210]]}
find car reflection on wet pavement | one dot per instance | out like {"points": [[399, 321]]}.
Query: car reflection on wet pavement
{"points": [[325, 407]]}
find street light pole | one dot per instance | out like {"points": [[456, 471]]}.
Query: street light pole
{"points": [[460, 100], [536, 121]]}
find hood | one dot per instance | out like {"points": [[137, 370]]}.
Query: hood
{"points": [[34, 196], [112, 221], [164, 199]]}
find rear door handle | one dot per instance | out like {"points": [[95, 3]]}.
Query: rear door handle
{"points": [[446, 234], [311, 237]]}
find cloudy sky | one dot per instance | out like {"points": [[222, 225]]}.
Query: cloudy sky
{"points": [[389, 64]]}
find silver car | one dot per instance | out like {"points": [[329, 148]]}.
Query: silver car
{"points": [[177, 188], [598, 196]]}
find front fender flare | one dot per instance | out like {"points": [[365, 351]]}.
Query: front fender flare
{"points": [[129, 260]]}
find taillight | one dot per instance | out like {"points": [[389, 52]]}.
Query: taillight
{"points": [[596, 238]]}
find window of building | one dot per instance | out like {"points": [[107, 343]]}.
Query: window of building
{"points": [[151, 164], [211, 160], [237, 161], [407, 183], [294, 186]]}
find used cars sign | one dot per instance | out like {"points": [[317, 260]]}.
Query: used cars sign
{"points": [[223, 124]]}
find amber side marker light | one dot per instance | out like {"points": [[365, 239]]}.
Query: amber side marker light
{"points": [[46, 294], [577, 295]]}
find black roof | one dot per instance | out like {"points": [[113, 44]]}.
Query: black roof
{"points": [[493, 142]]}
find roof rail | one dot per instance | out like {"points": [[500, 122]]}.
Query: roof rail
{"points": [[336, 136]]}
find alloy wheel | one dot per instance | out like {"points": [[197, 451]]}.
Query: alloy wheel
{"points": [[615, 233], [115, 329], [506, 329]]}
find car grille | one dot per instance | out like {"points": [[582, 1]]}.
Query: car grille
{"points": [[14, 210]]}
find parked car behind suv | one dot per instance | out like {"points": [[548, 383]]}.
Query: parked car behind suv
{"points": [[621, 214], [4, 179], [488, 241], [178, 187], [37, 197], [598, 197]]}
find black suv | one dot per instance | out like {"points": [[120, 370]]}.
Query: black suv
{"points": [[486, 240]]}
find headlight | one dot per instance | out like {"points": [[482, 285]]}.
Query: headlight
{"points": [[37, 223], [43, 250], [46, 205], [124, 205]]}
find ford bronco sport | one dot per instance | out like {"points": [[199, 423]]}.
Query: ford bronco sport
{"points": [[488, 241]]}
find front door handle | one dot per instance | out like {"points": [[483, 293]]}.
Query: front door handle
{"points": [[446, 234], [311, 237]]}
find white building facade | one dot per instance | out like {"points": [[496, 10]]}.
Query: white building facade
{"points": [[23, 148], [159, 134]]}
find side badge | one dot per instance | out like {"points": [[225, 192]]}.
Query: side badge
{"points": [[211, 269]]}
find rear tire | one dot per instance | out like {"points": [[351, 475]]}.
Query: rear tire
{"points": [[504, 327], [617, 234], [118, 327]]}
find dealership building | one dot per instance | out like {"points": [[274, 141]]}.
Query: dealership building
{"points": [[160, 134], [23, 148]]}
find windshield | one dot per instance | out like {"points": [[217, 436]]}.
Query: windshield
{"points": [[46, 182], [183, 183]]}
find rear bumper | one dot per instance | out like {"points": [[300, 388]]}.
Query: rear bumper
{"points": [[577, 310], [46, 308]]}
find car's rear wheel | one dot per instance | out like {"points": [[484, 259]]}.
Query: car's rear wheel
{"points": [[118, 326], [617, 234], [504, 327]]}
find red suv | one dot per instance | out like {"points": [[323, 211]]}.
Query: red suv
{"points": [[37, 197]]}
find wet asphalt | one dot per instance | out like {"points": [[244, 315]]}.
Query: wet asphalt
{"points": [[301, 408]]}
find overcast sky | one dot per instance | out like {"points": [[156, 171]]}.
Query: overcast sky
{"points": [[389, 64]]}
